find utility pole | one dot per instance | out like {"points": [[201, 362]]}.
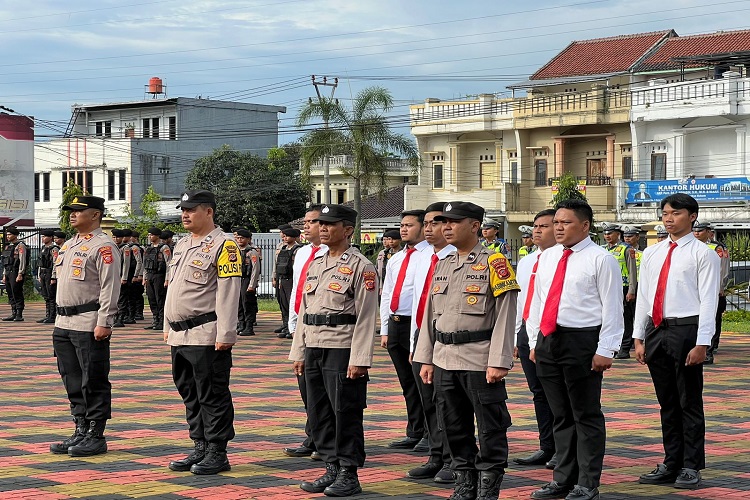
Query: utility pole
{"points": [[326, 160]]}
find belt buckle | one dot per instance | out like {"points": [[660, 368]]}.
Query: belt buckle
{"points": [[328, 319], [396, 317]]}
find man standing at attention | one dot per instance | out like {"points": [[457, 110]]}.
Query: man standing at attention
{"points": [[575, 326], [396, 300], [466, 348], [45, 262], [15, 260], [87, 270], [200, 320], [248, 305], [155, 260], [284, 274], [333, 349], [673, 329]]}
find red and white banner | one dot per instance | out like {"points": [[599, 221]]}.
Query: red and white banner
{"points": [[16, 170]]}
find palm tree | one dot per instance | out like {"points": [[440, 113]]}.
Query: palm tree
{"points": [[363, 132]]}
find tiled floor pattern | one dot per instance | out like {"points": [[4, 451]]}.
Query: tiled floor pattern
{"points": [[148, 428]]}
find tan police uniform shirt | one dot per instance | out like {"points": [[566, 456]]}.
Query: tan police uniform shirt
{"points": [[474, 292], [252, 258], [346, 284], [204, 277], [87, 269]]}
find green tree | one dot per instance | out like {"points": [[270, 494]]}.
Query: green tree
{"points": [[258, 193], [149, 215], [567, 189], [363, 132], [71, 191]]}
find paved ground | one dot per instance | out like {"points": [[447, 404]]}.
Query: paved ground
{"points": [[148, 427]]}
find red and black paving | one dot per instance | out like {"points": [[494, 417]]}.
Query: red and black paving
{"points": [[148, 427]]}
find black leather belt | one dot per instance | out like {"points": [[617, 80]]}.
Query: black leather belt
{"points": [[462, 337], [187, 324], [398, 318], [689, 321], [329, 319], [73, 310], [585, 329]]}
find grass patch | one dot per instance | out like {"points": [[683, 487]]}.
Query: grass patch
{"points": [[268, 305], [735, 326]]}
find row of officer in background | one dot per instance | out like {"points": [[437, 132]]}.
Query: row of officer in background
{"points": [[251, 258], [15, 265]]}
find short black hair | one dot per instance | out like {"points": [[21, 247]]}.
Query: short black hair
{"points": [[419, 214], [545, 213], [680, 201], [582, 209], [438, 206], [317, 207]]}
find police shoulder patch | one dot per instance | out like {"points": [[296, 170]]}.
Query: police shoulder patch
{"points": [[226, 263], [502, 276]]}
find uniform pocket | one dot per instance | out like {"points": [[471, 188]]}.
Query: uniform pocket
{"points": [[494, 415], [197, 272], [78, 273], [351, 394], [439, 293], [335, 294], [473, 298]]}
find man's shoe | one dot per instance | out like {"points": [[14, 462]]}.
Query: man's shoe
{"points": [[660, 475], [582, 493], [466, 485], [552, 490], [345, 485], [407, 443], [316, 455], [622, 355], [139, 317], [302, 451], [198, 454], [148, 327], [128, 321], [425, 471], [118, 323], [281, 335], [688, 479], [488, 486], [247, 332], [708, 361], [444, 475], [49, 321], [323, 482], [288, 336], [552, 462], [43, 320], [279, 329], [214, 462], [423, 446], [12, 317], [20, 318], [539, 457], [82, 426], [94, 443]]}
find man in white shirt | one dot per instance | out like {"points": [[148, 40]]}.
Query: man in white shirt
{"points": [[302, 260], [674, 323], [576, 325], [395, 324], [438, 465], [543, 237]]}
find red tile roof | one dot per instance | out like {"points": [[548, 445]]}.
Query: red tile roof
{"points": [[695, 45], [601, 55]]}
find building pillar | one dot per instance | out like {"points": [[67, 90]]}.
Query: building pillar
{"points": [[611, 156], [559, 157]]}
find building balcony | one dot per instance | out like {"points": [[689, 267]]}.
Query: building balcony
{"points": [[340, 164], [485, 113], [600, 194], [600, 105]]}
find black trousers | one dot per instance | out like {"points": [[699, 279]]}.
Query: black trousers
{"points": [[123, 301], [719, 316], [398, 348], [156, 294], [679, 389], [201, 375], [335, 406], [15, 291], [136, 299], [563, 364], [544, 418], [283, 296], [438, 445], [83, 363], [461, 395], [309, 442], [628, 315], [248, 310]]}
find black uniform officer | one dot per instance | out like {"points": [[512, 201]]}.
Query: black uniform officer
{"points": [[127, 271], [284, 274], [250, 258], [16, 261], [137, 303], [155, 260], [45, 261]]}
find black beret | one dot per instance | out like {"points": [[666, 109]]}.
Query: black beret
{"points": [[13, 230], [284, 226], [294, 233], [336, 213], [155, 231], [166, 234], [438, 206], [195, 197], [84, 202], [124, 232], [414, 213], [47, 232], [60, 234], [394, 234], [458, 210], [243, 232]]}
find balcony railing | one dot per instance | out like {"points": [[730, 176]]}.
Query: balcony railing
{"points": [[591, 180]]}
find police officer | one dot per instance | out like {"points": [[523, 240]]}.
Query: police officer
{"points": [[166, 238], [528, 243], [16, 261], [127, 273], [661, 232], [704, 232], [87, 269], [137, 304], [391, 246], [333, 347], [155, 260], [248, 307], [627, 260], [490, 230], [283, 279], [45, 261], [200, 320], [466, 348]]}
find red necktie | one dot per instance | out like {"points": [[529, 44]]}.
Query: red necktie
{"points": [[657, 314], [530, 291], [549, 316], [303, 273], [400, 280], [426, 289]]}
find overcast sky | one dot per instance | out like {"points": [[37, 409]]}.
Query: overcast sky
{"points": [[57, 53]]}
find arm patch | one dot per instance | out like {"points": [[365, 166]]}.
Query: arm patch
{"points": [[228, 261], [502, 276]]}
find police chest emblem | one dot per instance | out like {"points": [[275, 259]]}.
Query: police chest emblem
{"points": [[473, 289], [84, 248], [88, 236], [76, 271], [334, 286], [436, 289], [345, 257], [369, 277], [478, 267], [65, 247], [77, 262], [197, 275], [345, 270], [471, 300], [197, 262], [308, 287]]}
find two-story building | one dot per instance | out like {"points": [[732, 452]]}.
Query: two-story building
{"points": [[118, 150]]}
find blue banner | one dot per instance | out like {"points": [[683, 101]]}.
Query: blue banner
{"points": [[716, 189]]}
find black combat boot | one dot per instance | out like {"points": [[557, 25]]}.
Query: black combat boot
{"points": [[247, 331], [118, 322], [94, 443], [214, 462], [158, 323], [324, 481], [46, 314], [19, 315], [466, 485], [240, 326], [195, 457], [346, 483], [12, 316], [489, 484], [81, 427], [52, 313]]}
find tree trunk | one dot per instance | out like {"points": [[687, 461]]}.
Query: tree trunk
{"points": [[358, 208]]}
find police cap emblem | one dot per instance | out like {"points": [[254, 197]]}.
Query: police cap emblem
{"points": [[448, 208], [325, 210]]}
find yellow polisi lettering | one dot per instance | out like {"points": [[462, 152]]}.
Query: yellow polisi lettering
{"points": [[226, 267]]}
